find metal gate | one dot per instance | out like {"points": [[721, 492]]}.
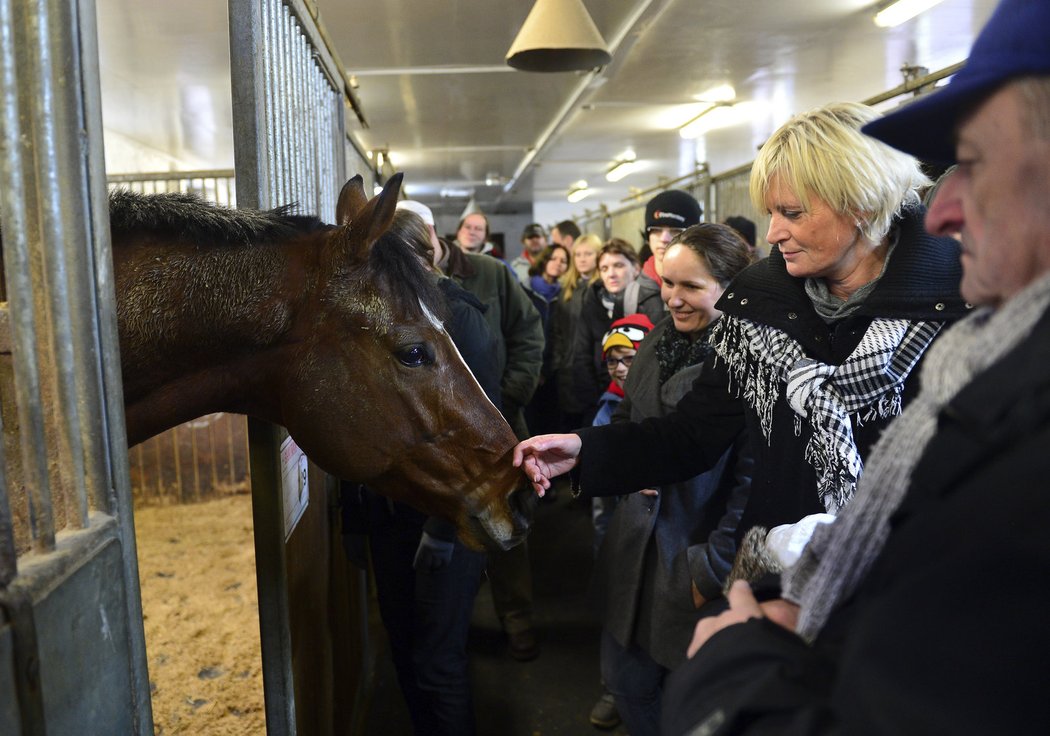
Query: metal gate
{"points": [[72, 653], [289, 98]]}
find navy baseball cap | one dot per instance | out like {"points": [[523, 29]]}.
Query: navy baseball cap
{"points": [[1014, 43]]}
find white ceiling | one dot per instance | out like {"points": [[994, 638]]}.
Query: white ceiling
{"points": [[436, 92]]}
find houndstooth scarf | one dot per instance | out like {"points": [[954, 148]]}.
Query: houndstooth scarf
{"points": [[867, 385], [839, 555]]}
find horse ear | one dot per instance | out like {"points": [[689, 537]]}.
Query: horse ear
{"points": [[383, 206], [352, 200]]}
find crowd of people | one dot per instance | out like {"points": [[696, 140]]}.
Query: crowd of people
{"points": [[833, 516]]}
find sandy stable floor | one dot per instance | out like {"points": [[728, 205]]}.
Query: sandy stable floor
{"points": [[200, 606]]}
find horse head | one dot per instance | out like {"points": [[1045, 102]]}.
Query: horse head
{"points": [[380, 395]]}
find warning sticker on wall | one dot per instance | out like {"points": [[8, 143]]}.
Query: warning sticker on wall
{"points": [[295, 484]]}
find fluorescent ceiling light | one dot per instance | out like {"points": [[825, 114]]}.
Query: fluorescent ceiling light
{"points": [[721, 93], [621, 169], [896, 13], [579, 191], [718, 116], [624, 165]]}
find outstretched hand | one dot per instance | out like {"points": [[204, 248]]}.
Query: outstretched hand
{"points": [[544, 457]]}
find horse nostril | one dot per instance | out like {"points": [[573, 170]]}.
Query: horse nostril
{"points": [[523, 503]]}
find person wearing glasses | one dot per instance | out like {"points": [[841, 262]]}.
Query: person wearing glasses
{"points": [[666, 216]]}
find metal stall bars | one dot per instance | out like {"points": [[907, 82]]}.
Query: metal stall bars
{"points": [[289, 134], [216, 186], [207, 457], [72, 650], [729, 195]]}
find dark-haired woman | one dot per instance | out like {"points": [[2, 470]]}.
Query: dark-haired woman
{"points": [[667, 549]]}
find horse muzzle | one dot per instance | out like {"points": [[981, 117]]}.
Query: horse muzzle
{"points": [[506, 525]]}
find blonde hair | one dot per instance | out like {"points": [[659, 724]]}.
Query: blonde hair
{"points": [[570, 281], [823, 154]]}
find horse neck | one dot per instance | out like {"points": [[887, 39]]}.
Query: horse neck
{"points": [[203, 329]]}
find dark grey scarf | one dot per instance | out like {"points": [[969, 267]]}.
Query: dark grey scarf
{"points": [[675, 351]]}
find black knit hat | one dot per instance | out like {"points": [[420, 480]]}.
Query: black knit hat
{"points": [[673, 208]]}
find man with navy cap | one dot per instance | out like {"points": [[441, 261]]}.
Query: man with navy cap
{"points": [[923, 607]]}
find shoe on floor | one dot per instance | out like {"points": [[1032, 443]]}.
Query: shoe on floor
{"points": [[523, 645], [603, 714]]}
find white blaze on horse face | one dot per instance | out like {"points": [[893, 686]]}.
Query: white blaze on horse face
{"points": [[440, 327], [431, 317]]}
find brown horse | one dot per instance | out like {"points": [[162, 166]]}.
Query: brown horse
{"points": [[331, 331]]}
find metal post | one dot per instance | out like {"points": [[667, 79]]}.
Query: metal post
{"points": [[63, 330]]}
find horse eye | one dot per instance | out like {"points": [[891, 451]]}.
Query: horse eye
{"points": [[414, 356]]}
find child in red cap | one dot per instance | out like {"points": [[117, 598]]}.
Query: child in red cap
{"points": [[619, 347]]}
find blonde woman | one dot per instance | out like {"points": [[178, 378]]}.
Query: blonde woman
{"points": [[821, 340], [565, 316], [583, 266]]}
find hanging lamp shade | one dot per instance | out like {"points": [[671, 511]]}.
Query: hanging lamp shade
{"points": [[558, 36]]}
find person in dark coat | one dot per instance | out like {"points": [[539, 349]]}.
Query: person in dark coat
{"points": [[664, 544], [426, 579], [819, 341], [515, 321], [617, 292], [542, 414], [922, 609]]}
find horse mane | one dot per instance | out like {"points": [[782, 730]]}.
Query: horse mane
{"points": [[187, 216], [396, 267], [392, 263]]}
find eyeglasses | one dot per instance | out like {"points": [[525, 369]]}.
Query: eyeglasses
{"points": [[613, 362], [674, 232]]}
